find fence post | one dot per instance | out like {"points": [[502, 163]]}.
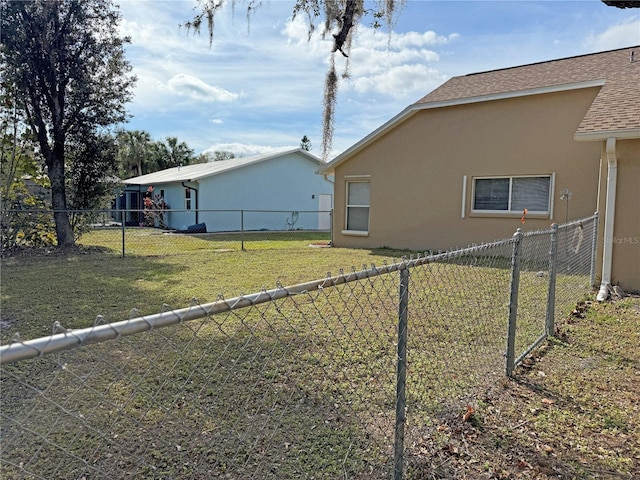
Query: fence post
{"points": [[401, 394], [331, 227], [513, 302], [551, 291], [242, 230], [594, 247], [122, 218]]}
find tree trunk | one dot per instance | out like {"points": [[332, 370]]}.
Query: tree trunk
{"points": [[55, 165]]}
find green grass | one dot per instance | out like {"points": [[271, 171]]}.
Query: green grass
{"points": [[571, 412], [300, 388], [159, 403], [151, 241], [74, 289]]}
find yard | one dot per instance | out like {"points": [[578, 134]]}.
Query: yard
{"points": [[304, 388]]}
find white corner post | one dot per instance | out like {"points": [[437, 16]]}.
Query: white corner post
{"points": [[464, 196], [610, 211]]}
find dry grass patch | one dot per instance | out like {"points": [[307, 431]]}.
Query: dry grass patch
{"points": [[571, 412]]}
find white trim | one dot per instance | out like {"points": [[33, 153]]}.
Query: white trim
{"points": [[499, 213], [416, 107], [355, 233], [515, 94], [623, 134], [552, 196], [609, 219], [464, 196], [347, 205]]}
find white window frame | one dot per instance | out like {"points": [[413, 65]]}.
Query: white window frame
{"points": [[187, 198], [348, 182], [510, 211]]}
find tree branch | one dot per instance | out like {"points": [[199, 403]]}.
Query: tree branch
{"points": [[341, 37]]}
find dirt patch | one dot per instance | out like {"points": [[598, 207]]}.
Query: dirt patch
{"points": [[326, 244], [53, 251]]}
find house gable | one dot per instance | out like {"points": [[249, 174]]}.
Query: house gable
{"points": [[540, 144], [217, 194], [422, 175], [613, 111]]}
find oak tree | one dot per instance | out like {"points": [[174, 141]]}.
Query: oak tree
{"points": [[66, 60]]}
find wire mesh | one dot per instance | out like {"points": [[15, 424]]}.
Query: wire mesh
{"points": [[295, 382], [533, 289], [171, 232], [456, 342], [267, 391], [576, 247]]}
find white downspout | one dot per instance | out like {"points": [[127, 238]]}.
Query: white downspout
{"points": [[607, 254]]}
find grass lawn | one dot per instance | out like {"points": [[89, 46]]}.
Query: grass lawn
{"points": [[265, 391], [167, 269], [304, 387], [571, 412]]}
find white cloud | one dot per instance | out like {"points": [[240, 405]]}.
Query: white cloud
{"points": [[216, 121], [400, 81], [244, 150], [367, 61], [623, 34], [400, 66], [296, 31], [197, 89], [380, 40]]}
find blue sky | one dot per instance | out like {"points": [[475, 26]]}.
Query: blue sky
{"points": [[259, 86]]}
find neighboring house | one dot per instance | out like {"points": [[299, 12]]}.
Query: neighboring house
{"points": [[460, 165], [283, 182]]}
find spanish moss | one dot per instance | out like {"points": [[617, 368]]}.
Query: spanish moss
{"points": [[341, 20]]}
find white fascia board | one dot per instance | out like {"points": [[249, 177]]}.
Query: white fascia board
{"points": [[516, 94], [329, 169], [416, 107], [624, 134]]}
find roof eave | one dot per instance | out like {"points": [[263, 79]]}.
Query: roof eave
{"points": [[195, 176], [515, 94], [329, 169], [620, 134], [157, 182], [416, 107]]}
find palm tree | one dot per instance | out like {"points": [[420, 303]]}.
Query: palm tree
{"points": [[134, 152], [172, 153]]}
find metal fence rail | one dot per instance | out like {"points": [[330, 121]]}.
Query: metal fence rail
{"points": [[342, 377], [130, 232]]}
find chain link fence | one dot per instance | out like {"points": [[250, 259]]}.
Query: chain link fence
{"points": [[135, 232], [350, 376]]}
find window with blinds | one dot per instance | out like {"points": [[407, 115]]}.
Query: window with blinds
{"points": [[512, 194]]}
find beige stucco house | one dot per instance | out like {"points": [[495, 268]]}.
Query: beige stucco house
{"points": [[460, 165]]}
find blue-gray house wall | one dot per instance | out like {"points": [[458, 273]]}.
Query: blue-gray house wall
{"points": [[277, 194]]}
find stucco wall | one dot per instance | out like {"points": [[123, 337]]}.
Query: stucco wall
{"points": [[625, 268], [416, 170], [284, 184]]}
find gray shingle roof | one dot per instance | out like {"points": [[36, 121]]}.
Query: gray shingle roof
{"points": [[614, 112], [616, 107]]}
